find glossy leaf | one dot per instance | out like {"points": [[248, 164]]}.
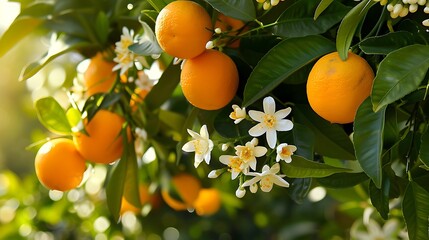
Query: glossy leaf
{"points": [[415, 208], [303, 139], [281, 61], [147, 44], [299, 189], [239, 9], [348, 26], [380, 197], [399, 74], [331, 140], [303, 168], [298, 20], [74, 117], [368, 140], [52, 116], [321, 7], [424, 150], [386, 43], [342, 180]]}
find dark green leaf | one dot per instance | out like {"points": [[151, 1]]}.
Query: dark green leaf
{"points": [[380, 197], [253, 48], [348, 26], [303, 168], [331, 140], [164, 88], [303, 138], [102, 27], [239, 9], [321, 7], [368, 140], [226, 128], [159, 4], [399, 74], [342, 180], [415, 208], [298, 19], [52, 115], [386, 43], [299, 189], [424, 150], [281, 61]]}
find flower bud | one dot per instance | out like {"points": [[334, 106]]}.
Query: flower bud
{"points": [[253, 188], [209, 45], [213, 174], [240, 192], [218, 30], [413, 8]]}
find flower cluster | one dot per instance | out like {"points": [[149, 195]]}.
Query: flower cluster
{"points": [[243, 164], [404, 7]]}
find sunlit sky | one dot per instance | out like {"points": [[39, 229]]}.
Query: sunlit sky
{"points": [[8, 12]]}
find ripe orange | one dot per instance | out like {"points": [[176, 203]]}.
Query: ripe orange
{"points": [[183, 192], [59, 166], [146, 197], [208, 202], [210, 80], [99, 78], [232, 27], [183, 28], [103, 141], [336, 88]]}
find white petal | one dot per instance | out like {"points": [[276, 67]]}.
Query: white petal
{"points": [[251, 181], [237, 121], [390, 227], [288, 159], [279, 181], [225, 159], [259, 151], [254, 142], [269, 105], [253, 188], [257, 130], [278, 158], [198, 160], [234, 174], [252, 164], [211, 145], [240, 192], [282, 113], [256, 115], [207, 157], [193, 134], [203, 132], [275, 168], [271, 138], [265, 169], [267, 187], [213, 174], [189, 146], [284, 125]]}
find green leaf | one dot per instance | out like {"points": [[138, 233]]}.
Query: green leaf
{"points": [[226, 128], [162, 91], [52, 116], [303, 138], [303, 168], [147, 44], [348, 26], [331, 140], [74, 117], [172, 119], [424, 150], [123, 182], [368, 140], [321, 7], [239, 9], [34, 67], [102, 27], [415, 208], [298, 20], [399, 74], [299, 189], [281, 61], [343, 180], [159, 4], [386, 43], [380, 197]]}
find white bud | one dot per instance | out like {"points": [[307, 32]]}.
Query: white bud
{"points": [[405, 1], [397, 8], [389, 7], [218, 30], [225, 147], [274, 2], [413, 8], [393, 15], [383, 2], [426, 10], [404, 12], [209, 45], [213, 174], [253, 188], [240, 192], [412, 1], [421, 2], [141, 133], [176, 61], [266, 5], [426, 23]]}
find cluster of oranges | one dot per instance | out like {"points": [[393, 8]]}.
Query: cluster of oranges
{"points": [[209, 78]]}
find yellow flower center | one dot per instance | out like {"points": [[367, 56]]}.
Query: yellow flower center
{"points": [[200, 146], [245, 153], [269, 120], [266, 182], [286, 151], [235, 163]]}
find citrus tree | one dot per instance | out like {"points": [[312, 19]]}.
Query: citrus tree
{"points": [[218, 102]]}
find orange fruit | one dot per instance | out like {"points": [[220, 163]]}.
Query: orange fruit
{"points": [[208, 202], [145, 198], [98, 77], [59, 166], [336, 88], [102, 142], [210, 80], [232, 27], [183, 28], [183, 192], [138, 96]]}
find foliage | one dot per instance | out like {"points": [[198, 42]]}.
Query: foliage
{"points": [[381, 157]]}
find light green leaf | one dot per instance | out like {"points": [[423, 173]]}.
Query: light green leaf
{"points": [[298, 19], [172, 119], [321, 7], [368, 140], [52, 116], [147, 44], [303, 168], [348, 26], [386, 43], [74, 117], [415, 208], [239, 9], [330, 139], [399, 74], [281, 61]]}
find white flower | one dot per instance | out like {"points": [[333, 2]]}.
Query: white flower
{"points": [[200, 144], [225, 147], [270, 121], [284, 152], [124, 57], [144, 82], [375, 231], [249, 153], [210, 45], [253, 188], [238, 114], [235, 164], [214, 174], [240, 192], [267, 178], [141, 133]]}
